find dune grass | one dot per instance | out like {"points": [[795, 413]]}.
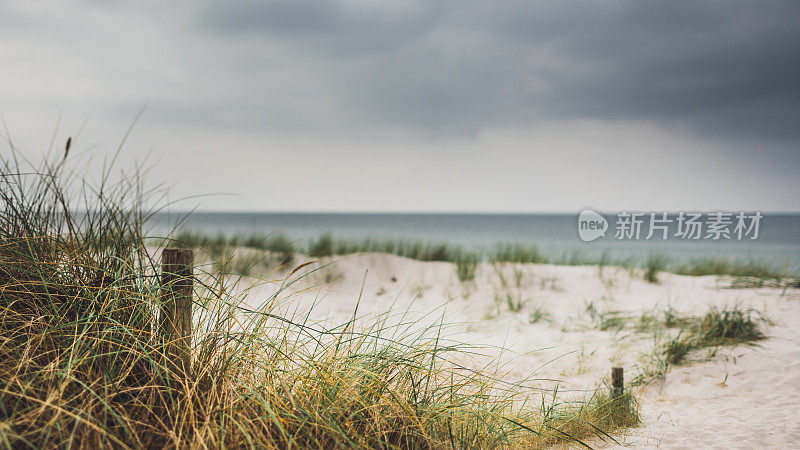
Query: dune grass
{"points": [[517, 253], [655, 264], [746, 273], [749, 273], [718, 327], [737, 268], [466, 265], [84, 365], [219, 245]]}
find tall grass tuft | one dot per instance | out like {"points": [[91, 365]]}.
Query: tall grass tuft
{"points": [[322, 246], [654, 265], [518, 253], [726, 326], [82, 363], [466, 265]]}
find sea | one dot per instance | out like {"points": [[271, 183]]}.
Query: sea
{"points": [[774, 239]]}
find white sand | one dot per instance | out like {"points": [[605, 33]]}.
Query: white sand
{"points": [[742, 397]]}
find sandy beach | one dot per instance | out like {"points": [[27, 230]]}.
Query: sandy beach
{"points": [[548, 325], [344, 224]]}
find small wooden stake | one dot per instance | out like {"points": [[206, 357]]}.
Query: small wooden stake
{"points": [[617, 382], [176, 307]]}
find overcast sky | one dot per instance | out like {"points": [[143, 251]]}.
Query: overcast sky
{"points": [[463, 105]]}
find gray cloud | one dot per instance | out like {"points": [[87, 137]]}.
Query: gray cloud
{"points": [[721, 68], [569, 93], [330, 27]]}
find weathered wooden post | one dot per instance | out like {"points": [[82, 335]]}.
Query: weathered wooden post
{"points": [[617, 382], [177, 267]]}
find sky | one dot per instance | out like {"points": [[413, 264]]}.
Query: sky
{"points": [[417, 106]]}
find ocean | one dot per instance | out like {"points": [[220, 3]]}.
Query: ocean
{"points": [[777, 242]]}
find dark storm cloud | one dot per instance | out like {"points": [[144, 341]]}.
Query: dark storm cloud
{"points": [[728, 67], [436, 105], [723, 68]]}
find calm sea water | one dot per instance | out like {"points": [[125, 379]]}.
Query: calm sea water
{"points": [[555, 234]]}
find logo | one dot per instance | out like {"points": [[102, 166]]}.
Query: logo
{"points": [[636, 226], [591, 225]]}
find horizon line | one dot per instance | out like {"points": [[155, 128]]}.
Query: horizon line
{"points": [[485, 213]]}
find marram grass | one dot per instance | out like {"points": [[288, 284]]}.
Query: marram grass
{"points": [[746, 273], [82, 363]]}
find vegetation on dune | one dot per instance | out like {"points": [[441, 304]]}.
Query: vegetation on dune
{"points": [[726, 326], [718, 326], [83, 364], [466, 265], [677, 336], [746, 273], [517, 253], [322, 246], [561, 421], [220, 247], [654, 265], [737, 268], [539, 313]]}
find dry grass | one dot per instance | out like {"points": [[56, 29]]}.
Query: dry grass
{"points": [[82, 363]]}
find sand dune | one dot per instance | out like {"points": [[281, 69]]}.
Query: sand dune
{"points": [[742, 396]]}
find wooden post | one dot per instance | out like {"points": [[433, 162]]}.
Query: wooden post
{"points": [[177, 266], [617, 382]]}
